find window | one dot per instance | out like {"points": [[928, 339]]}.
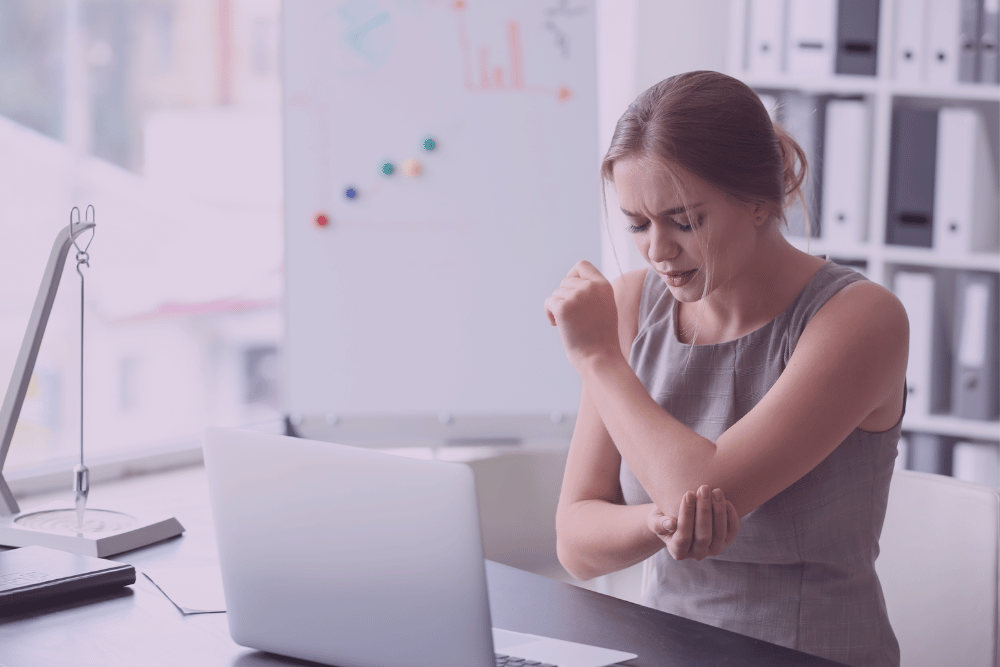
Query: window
{"points": [[165, 115]]}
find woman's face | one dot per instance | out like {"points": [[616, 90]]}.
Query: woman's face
{"points": [[695, 237]]}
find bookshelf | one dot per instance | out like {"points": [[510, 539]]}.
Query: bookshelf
{"points": [[881, 260]]}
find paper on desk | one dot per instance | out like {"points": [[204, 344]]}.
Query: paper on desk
{"points": [[193, 590]]}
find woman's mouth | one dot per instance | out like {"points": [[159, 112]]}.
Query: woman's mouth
{"points": [[678, 278]]}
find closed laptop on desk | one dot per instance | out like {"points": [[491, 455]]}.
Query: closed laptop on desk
{"points": [[354, 557]]}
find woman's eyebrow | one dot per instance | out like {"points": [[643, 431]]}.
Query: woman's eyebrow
{"points": [[665, 214]]}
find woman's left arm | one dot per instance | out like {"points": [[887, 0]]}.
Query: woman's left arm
{"points": [[849, 362]]}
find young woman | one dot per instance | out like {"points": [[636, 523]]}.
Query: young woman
{"points": [[733, 362]]}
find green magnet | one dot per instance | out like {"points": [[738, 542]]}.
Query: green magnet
{"points": [[429, 144], [388, 168]]}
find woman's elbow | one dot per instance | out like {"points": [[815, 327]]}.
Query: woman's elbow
{"points": [[570, 560]]}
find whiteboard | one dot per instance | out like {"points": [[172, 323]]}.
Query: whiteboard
{"points": [[423, 293]]}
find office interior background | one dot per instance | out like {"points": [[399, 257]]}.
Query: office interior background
{"points": [[166, 116]]}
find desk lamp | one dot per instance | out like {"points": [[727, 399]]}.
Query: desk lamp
{"points": [[89, 532]]}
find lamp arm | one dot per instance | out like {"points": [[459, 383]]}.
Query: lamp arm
{"points": [[19, 379]]}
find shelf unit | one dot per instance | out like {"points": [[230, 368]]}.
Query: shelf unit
{"points": [[880, 259]]}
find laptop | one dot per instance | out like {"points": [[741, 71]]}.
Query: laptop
{"points": [[359, 558]]}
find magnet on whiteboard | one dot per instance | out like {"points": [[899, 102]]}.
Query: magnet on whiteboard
{"points": [[564, 94], [445, 418], [321, 219], [411, 168], [429, 144], [351, 193], [387, 168]]}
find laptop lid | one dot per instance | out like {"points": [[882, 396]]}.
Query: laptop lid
{"points": [[348, 556]]}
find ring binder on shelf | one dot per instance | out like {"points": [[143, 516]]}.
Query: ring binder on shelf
{"points": [[965, 194], [975, 390], [857, 37], [766, 39], [810, 41], [845, 173], [911, 176], [909, 50]]}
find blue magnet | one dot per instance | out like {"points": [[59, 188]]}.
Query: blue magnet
{"points": [[350, 193]]}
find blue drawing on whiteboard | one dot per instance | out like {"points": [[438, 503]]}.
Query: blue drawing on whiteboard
{"points": [[563, 10], [363, 35]]}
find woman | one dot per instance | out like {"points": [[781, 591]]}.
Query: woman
{"points": [[738, 362]]}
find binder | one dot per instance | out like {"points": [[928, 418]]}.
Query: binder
{"points": [[970, 15], [965, 195], [766, 43], [811, 37], [845, 173], [929, 453], [989, 43], [857, 37], [912, 160], [975, 389], [909, 49], [901, 454], [926, 297], [803, 117], [916, 292], [977, 462], [943, 28]]}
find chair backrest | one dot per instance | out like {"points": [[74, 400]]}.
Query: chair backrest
{"points": [[939, 569]]}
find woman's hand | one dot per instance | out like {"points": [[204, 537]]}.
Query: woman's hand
{"points": [[583, 307], [706, 524]]}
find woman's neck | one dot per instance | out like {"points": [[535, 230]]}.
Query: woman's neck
{"points": [[772, 277]]}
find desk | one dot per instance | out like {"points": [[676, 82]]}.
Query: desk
{"points": [[140, 627]]}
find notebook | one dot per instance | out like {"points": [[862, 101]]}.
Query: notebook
{"points": [[31, 577], [358, 558]]}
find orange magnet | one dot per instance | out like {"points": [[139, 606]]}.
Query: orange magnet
{"points": [[411, 168]]}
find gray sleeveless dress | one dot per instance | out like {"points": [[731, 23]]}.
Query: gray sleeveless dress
{"points": [[801, 571]]}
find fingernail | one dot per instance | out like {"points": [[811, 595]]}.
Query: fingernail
{"points": [[668, 524], [717, 494], [703, 492], [689, 497]]}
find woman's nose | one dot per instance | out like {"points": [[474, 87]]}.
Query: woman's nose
{"points": [[663, 247]]}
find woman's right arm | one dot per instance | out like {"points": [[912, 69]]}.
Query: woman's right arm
{"points": [[596, 533]]}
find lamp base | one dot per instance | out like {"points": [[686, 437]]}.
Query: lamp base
{"points": [[104, 532]]}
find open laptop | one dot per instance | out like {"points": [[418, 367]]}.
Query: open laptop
{"points": [[358, 558]]}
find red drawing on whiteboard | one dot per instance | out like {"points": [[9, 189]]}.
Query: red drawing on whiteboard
{"points": [[481, 75]]}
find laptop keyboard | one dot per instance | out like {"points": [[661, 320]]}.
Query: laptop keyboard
{"points": [[510, 661]]}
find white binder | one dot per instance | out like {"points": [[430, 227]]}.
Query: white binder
{"points": [[975, 390], [845, 173], [916, 292], [944, 22], [965, 192], [910, 44], [811, 39], [901, 454], [977, 462], [766, 43]]}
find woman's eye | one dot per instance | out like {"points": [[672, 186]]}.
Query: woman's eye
{"points": [[692, 223], [635, 229]]}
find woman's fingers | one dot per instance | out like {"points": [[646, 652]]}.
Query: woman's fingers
{"points": [[703, 524], [680, 544], [720, 523], [733, 521]]}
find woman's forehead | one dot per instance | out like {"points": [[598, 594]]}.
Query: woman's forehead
{"points": [[649, 185]]}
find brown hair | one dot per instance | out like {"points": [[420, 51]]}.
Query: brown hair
{"points": [[716, 128]]}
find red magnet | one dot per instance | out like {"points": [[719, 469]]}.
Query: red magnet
{"points": [[321, 220]]}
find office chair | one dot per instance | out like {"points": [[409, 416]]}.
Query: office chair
{"points": [[518, 493], [939, 569]]}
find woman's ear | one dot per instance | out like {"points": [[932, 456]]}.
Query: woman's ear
{"points": [[759, 214]]}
